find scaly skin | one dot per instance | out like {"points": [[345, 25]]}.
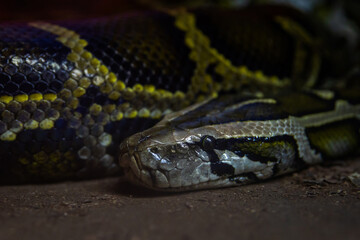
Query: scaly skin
{"points": [[70, 92]]}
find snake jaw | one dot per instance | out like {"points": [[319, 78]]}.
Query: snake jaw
{"points": [[163, 166]]}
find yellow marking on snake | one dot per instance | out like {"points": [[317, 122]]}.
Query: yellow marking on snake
{"points": [[201, 87], [203, 54], [103, 77], [302, 39], [77, 84]]}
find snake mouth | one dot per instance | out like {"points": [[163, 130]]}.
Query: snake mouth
{"points": [[127, 160], [135, 171], [129, 164], [137, 174], [141, 175]]}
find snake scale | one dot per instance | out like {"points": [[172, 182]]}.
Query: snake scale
{"points": [[242, 92]]}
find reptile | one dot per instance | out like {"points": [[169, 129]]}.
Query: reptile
{"points": [[245, 93]]}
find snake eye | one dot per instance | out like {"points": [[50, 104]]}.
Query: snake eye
{"points": [[208, 143]]}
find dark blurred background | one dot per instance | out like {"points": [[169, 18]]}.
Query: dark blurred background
{"points": [[20, 10], [341, 16], [65, 9]]}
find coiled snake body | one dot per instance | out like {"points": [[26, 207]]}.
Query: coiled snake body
{"points": [[71, 92]]}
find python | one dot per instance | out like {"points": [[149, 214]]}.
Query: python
{"points": [[72, 91]]}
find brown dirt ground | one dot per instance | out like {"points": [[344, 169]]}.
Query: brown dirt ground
{"points": [[318, 203]]}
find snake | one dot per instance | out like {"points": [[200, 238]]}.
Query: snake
{"points": [[174, 99]]}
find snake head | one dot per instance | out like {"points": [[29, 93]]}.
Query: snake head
{"points": [[191, 150], [166, 156], [157, 159]]}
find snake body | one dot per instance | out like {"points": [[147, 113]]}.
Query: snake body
{"points": [[71, 92]]}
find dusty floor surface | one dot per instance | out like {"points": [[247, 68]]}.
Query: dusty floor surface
{"points": [[318, 203]]}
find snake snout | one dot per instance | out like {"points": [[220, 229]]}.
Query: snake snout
{"points": [[127, 159], [132, 163]]}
